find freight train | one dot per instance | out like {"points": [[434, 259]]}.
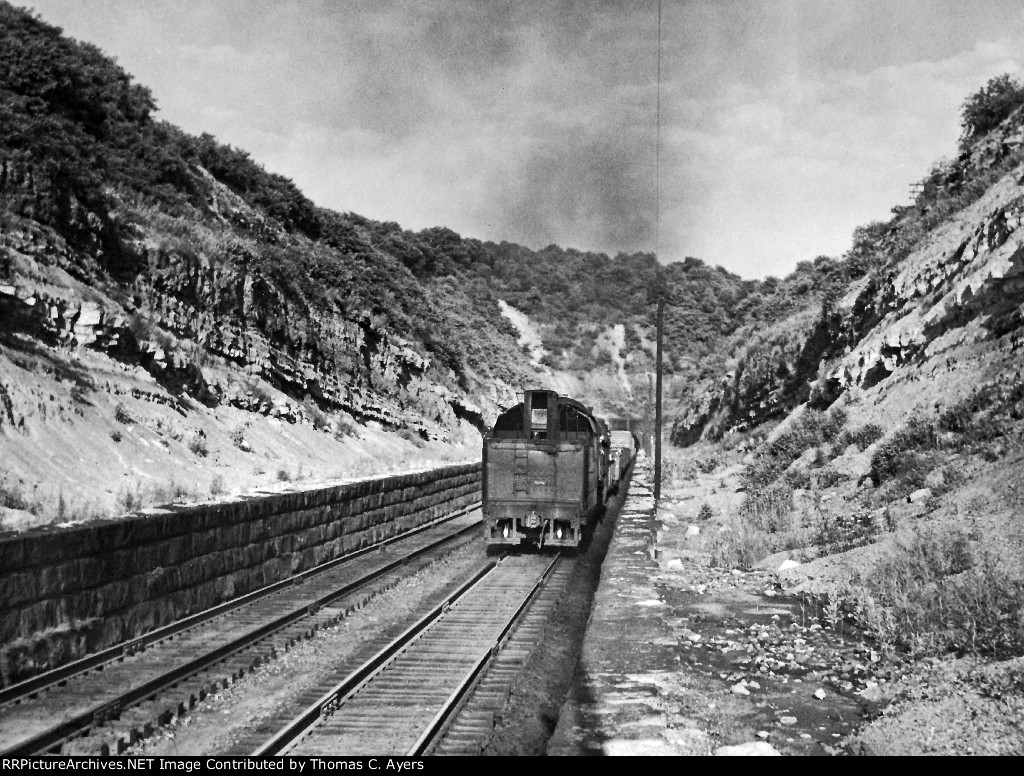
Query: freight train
{"points": [[548, 466]]}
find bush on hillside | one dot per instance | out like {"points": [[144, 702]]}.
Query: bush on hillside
{"points": [[940, 594], [986, 108]]}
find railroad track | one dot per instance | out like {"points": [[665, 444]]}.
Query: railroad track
{"points": [[433, 683], [104, 703]]}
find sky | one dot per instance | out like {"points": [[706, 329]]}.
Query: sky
{"points": [[763, 135]]}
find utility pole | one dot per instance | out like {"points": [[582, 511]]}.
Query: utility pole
{"points": [[657, 402]]}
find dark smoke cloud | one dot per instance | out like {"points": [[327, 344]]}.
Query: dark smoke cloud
{"points": [[590, 192]]}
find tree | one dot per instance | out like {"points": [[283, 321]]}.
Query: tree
{"points": [[987, 107]]}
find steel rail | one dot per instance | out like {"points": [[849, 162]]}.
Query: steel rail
{"points": [[74, 726], [454, 700], [354, 681]]}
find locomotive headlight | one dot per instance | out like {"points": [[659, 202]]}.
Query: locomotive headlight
{"points": [[558, 532], [506, 532]]}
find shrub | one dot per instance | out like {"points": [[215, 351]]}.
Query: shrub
{"points": [[283, 475], [13, 497], [986, 108], [863, 437], [316, 415], [708, 464], [198, 444], [345, 427], [217, 486], [811, 429], [408, 434], [705, 512], [828, 477], [121, 415], [238, 439], [892, 458]]}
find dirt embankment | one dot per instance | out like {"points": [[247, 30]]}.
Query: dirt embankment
{"points": [[780, 657]]}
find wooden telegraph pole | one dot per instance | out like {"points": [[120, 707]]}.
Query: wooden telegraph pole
{"points": [[657, 402]]}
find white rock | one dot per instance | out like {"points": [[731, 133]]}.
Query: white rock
{"points": [[919, 495], [693, 530], [739, 689], [788, 564], [787, 720], [750, 749], [819, 694]]}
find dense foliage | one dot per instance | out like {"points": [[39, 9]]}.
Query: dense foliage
{"points": [[984, 110]]}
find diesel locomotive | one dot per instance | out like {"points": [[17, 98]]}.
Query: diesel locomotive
{"points": [[548, 465]]}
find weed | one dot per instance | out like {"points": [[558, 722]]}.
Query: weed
{"points": [[415, 437], [705, 512], [121, 415], [676, 473], [283, 475], [129, 499], [939, 594], [769, 509], [736, 546], [13, 496], [115, 435], [217, 486]]}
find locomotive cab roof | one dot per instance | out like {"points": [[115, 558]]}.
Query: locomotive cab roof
{"points": [[543, 414]]}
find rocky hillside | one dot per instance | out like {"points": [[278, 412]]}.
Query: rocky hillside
{"points": [[162, 291], [942, 275], [868, 453]]}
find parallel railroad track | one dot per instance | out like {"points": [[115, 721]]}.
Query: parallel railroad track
{"points": [[104, 703], [432, 681]]}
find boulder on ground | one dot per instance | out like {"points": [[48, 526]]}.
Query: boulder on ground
{"points": [[749, 749]]}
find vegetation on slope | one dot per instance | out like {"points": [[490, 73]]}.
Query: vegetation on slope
{"points": [[774, 359], [83, 155]]}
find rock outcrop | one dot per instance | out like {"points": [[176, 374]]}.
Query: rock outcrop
{"points": [[961, 284]]}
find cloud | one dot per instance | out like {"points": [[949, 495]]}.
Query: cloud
{"points": [[781, 172]]}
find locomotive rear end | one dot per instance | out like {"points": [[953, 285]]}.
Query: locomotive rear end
{"points": [[534, 492], [543, 473]]}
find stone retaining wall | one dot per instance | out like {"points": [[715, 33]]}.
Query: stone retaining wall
{"points": [[66, 592]]}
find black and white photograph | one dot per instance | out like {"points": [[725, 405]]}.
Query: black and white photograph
{"points": [[386, 380]]}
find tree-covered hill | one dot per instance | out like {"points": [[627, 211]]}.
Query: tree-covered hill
{"points": [[134, 201]]}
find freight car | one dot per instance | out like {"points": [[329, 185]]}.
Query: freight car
{"points": [[622, 451], [545, 472]]}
